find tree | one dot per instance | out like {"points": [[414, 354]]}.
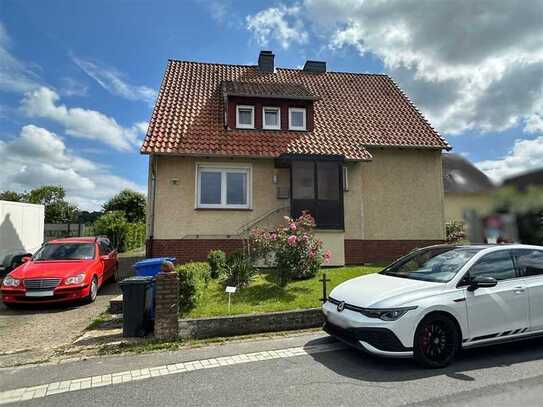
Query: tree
{"points": [[12, 196], [88, 218], [527, 206], [131, 203], [57, 209], [113, 225]]}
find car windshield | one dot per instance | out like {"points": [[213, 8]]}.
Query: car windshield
{"points": [[438, 264], [66, 251]]}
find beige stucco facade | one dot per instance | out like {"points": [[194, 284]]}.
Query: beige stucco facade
{"points": [[399, 195], [396, 196], [176, 216], [456, 203]]}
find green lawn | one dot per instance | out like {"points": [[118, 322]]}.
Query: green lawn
{"points": [[263, 295]]}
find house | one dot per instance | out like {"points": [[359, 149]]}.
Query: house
{"points": [[525, 180], [237, 146], [466, 188]]}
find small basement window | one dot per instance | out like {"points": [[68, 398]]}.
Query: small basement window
{"points": [[219, 187], [271, 118], [245, 117], [296, 118]]}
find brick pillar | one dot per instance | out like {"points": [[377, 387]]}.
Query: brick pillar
{"points": [[166, 299]]}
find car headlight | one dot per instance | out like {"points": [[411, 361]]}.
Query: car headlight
{"points": [[75, 279], [389, 314], [11, 282]]}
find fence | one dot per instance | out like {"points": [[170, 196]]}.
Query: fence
{"points": [[61, 230]]}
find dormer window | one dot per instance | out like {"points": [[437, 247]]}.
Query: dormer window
{"points": [[245, 117], [271, 118], [297, 118]]}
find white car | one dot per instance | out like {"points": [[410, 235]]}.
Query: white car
{"points": [[439, 299]]}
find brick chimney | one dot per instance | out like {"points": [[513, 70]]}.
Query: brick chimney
{"points": [[266, 61]]}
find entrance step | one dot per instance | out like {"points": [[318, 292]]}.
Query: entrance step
{"points": [[116, 305]]}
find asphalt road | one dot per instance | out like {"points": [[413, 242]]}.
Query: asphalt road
{"points": [[498, 376]]}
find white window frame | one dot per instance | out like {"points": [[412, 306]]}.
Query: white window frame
{"points": [[223, 168], [275, 109], [245, 126], [297, 109]]}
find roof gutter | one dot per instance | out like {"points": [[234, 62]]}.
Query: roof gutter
{"points": [[408, 146]]}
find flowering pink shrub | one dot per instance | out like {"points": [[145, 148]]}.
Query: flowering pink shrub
{"points": [[298, 253]]}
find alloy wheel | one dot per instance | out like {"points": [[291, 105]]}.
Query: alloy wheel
{"points": [[93, 289], [437, 341]]}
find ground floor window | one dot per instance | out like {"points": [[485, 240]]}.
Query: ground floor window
{"points": [[223, 187]]}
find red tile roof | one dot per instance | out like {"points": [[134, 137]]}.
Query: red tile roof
{"points": [[353, 111]]}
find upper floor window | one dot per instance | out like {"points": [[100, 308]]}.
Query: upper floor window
{"points": [[296, 118], [245, 117], [271, 118]]}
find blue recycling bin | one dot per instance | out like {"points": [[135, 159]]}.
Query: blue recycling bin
{"points": [[150, 268]]}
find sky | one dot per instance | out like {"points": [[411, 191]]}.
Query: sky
{"points": [[78, 79]]}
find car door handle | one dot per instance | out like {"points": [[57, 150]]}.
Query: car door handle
{"points": [[519, 290]]}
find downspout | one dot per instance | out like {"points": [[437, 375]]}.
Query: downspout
{"points": [[154, 169]]}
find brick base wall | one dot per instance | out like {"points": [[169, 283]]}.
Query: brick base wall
{"points": [[186, 250], [379, 251], [356, 251]]}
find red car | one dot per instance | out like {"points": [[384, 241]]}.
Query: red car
{"points": [[62, 270]]}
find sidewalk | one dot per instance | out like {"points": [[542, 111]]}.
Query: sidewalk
{"points": [[41, 380]]}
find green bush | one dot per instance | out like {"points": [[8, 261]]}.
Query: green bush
{"points": [[297, 251], [455, 231], [122, 234], [217, 263], [239, 270], [193, 280], [134, 236]]}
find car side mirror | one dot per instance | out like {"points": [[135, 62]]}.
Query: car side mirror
{"points": [[26, 259], [482, 282]]}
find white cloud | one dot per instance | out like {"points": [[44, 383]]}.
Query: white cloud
{"points": [[37, 157], [15, 76], [526, 155], [72, 87], [468, 65], [281, 23], [112, 81], [79, 122]]}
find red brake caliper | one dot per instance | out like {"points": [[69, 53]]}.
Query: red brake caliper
{"points": [[425, 339]]}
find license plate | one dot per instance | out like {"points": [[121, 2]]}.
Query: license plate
{"points": [[48, 293]]}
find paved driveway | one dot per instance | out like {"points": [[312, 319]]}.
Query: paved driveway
{"points": [[30, 333]]}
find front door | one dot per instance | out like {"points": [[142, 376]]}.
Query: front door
{"points": [[317, 188], [500, 310]]}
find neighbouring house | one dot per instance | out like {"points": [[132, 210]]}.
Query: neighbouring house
{"points": [[525, 180], [237, 146], [467, 189]]}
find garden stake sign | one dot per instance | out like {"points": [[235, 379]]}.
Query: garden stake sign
{"points": [[230, 290], [324, 281]]}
